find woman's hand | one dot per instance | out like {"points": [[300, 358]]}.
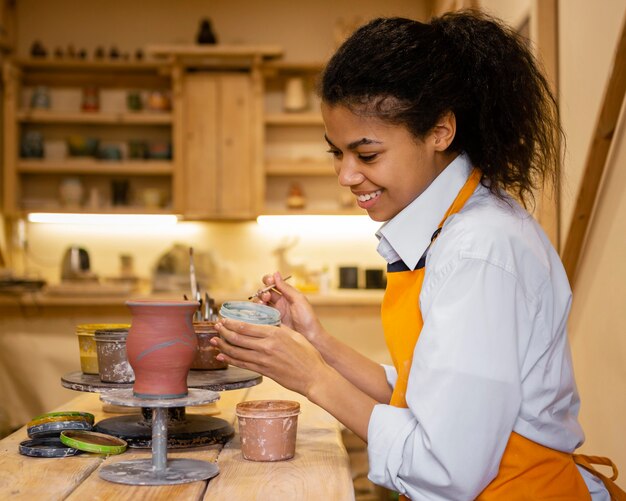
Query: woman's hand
{"points": [[295, 310], [277, 352]]}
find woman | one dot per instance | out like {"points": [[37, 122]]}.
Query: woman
{"points": [[430, 126]]}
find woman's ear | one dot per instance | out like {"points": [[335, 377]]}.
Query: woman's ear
{"points": [[443, 133]]}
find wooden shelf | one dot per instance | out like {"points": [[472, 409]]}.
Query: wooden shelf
{"points": [[294, 119], [273, 68], [288, 167], [217, 51], [59, 117], [90, 65], [96, 167]]}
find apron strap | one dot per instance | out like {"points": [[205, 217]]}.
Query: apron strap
{"points": [[586, 462]]}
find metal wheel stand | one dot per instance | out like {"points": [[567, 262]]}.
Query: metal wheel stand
{"points": [[158, 470]]}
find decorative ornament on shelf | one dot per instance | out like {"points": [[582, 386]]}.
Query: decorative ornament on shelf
{"points": [[40, 99], [206, 35], [296, 198], [91, 99], [295, 95], [32, 145], [38, 50], [71, 192]]}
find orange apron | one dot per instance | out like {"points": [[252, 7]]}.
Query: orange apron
{"points": [[528, 471]]}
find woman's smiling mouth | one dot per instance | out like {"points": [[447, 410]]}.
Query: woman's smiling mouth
{"points": [[366, 200]]}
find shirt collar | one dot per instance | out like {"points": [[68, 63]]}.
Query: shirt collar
{"points": [[408, 234]]}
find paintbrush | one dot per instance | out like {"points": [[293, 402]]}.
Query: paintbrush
{"points": [[192, 276], [267, 289]]}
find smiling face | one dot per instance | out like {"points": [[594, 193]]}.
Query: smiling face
{"points": [[384, 165]]}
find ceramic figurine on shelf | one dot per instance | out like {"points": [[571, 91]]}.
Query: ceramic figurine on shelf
{"points": [[139, 55], [114, 53], [82, 54], [205, 33], [99, 53], [38, 50], [58, 53], [296, 198], [71, 51]]}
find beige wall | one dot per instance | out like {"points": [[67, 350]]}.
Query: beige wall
{"points": [[304, 29], [588, 37]]}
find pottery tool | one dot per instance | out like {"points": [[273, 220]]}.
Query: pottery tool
{"points": [[267, 289], [192, 276]]}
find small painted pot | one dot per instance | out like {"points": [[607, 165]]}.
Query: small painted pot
{"points": [[252, 313], [268, 429], [161, 346]]}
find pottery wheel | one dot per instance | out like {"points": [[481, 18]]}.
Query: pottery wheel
{"points": [[232, 378], [158, 470], [184, 430]]}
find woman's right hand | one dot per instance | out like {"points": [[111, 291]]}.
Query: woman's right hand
{"points": [[295, 310]]}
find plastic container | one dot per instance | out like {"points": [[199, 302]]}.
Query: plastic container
{"points": [[87, 344], [113, 365], [252, 313], [205, 356], [268, 429]]}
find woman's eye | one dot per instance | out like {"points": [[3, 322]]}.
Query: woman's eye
{"points": [[368, 158], [335, 153]]}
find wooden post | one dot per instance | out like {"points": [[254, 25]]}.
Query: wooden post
{"points": [[596, 159]]}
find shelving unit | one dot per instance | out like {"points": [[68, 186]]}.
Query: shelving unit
{"points": [[295, 150], [32, 184]]}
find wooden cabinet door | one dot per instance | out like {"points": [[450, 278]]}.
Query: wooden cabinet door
{"points": [[217, 146]]}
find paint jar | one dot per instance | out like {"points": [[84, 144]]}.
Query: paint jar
{"points": [[205, 356], [113, 365], [87, 344], [268, 429], [249, 312]]}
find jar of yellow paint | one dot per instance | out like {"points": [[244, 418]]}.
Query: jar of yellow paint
{"points": [[87, 344]]}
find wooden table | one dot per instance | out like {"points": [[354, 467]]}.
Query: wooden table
{"points": [[319, 470]]}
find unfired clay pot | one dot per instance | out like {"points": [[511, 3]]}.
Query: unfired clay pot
{"points": [[161, 345], [268, 429]]}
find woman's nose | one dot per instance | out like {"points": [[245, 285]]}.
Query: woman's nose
{"points": [[348, 173]]}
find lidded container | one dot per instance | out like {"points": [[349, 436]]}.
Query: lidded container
{"points": [[268, 429], [87, 344], [252, 313], [205, 356], [113, 363]]}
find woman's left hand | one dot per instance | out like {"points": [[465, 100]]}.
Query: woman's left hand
{"points": [[277, 352]]}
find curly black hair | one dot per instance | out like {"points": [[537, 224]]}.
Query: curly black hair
{"points": [[468, 63]]}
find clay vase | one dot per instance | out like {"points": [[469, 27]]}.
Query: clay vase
{"points": [[161, 346]]}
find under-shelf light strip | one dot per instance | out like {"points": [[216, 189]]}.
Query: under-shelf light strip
{"points": [[75, 218]]}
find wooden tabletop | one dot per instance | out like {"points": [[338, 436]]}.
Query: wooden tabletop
{"points": [[319, 470]]}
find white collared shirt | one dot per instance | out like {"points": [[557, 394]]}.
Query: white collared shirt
{"points": [[493, 355]]}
